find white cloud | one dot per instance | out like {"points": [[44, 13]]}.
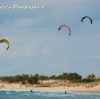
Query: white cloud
{"points": [[24, 51], [54, 66], [47, 50], [94, 56], [23, 22]]}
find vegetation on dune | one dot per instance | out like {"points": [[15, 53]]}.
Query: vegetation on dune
{"points": [[34, 79]]}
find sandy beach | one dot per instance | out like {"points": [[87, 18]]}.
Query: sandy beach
{"points": [[53, 86]]}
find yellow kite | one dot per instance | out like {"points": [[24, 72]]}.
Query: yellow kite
{"points": [[5, 41]]}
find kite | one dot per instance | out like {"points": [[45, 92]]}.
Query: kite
{"points": [[5, 41], [65, 27], [88, 18]]}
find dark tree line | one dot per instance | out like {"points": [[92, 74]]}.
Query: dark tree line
{"points": [[33, 79]]}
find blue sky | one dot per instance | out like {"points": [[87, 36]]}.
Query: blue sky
{"points": [[38, 47]]}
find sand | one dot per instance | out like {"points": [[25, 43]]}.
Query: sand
{"points": [[88, 88]]}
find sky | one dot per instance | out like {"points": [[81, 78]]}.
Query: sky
{"points": [[36, 45]]}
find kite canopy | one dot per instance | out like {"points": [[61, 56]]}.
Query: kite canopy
{"points": [[88, 18], [65, 27], [5, 41]]}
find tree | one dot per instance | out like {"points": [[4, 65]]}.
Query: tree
{"points": [[52, 77], [74, 76], [42, 77], [91, 76], [33, 80]]}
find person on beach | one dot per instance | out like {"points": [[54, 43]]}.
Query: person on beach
{"points": [[31, 91]]}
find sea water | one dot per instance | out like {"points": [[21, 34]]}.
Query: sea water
{"points": [[46, 95]]}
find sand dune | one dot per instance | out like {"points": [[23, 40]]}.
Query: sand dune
{"points": [[53, 86]]}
